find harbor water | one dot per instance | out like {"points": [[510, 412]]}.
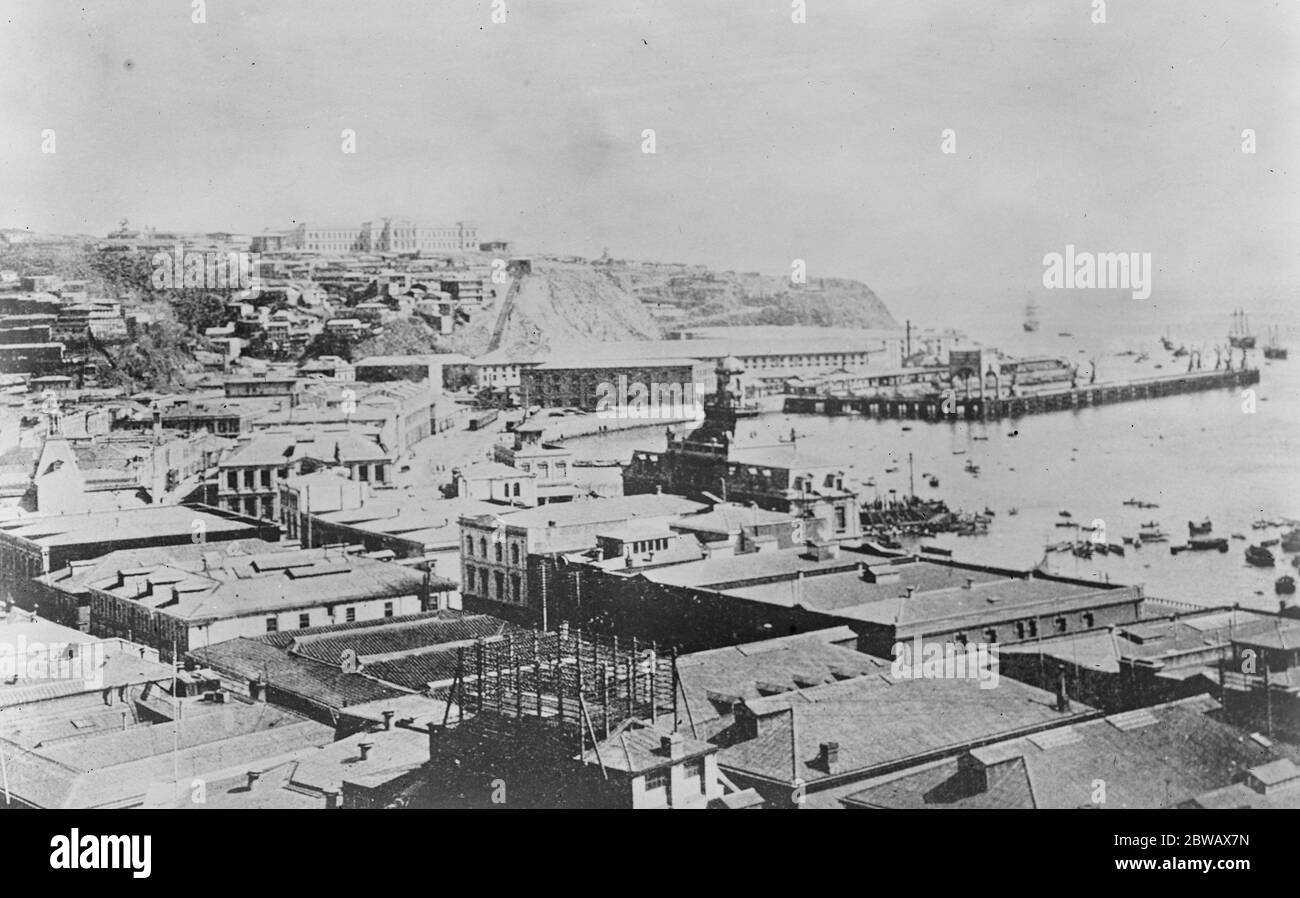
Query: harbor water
{"points": [[1197, 455]]}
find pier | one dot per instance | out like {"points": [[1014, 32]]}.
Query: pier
{"points": [[975, 408]]}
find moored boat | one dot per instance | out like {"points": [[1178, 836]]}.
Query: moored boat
{"points": [[1259, 556], [1284, 585], [1199, 529]]}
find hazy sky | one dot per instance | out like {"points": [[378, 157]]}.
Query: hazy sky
{"points": [[775, 140]]}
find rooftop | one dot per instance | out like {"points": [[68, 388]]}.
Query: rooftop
{"points": [[1156, 757]]}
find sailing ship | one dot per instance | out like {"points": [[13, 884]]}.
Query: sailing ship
{"points": [[1239, 335], [1031, 317], [1274, 349]]}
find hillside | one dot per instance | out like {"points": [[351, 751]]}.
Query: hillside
{"points": [[562, 302]]}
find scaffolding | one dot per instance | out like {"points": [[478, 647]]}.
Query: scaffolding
{"points": [[582, 686]]}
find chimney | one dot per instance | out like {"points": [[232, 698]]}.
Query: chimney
{"points": [[332, 797], [388, 720], [673, 745], [253, 777], [910, 591], [829, 756], [124, 713], [1062, 698], [365, 748], [970, 583]]}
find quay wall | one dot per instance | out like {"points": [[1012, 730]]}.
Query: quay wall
{"points": [[974, 408]]}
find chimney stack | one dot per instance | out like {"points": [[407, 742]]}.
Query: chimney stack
{"points": [[911, 590], [829, 755], [970, 583], [365, 748], [253, 777], [1062, 698], [673, 745], [332, 799], [388, 720]]}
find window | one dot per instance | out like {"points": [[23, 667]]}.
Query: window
{"points": [[695, 773], [514, 553], [482, 547], [469, 546], [1033, 627], [304, 621], [1088, 619], [990, 635], [656, 779], [516, 489], [501, 585], [500, 552], [266, 478], [350, 615], [1061, 624], [379, 473], [561, 469], [232, 480], [248, 478], [469, 578], [388, 609], [272, 625], [514, 587], [841, 518], [1020, 629], [961, 639], [543, 470]]}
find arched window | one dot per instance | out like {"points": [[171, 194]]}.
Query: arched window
{"points": [[482, 547], [514, 553], [501, 554], [469, 545]]}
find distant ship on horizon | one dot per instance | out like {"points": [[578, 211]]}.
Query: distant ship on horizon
{"points": [[1031, 317], [1274, 348], [1239, 335]]}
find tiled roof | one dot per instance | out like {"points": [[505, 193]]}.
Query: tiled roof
{"points": [[399, 638], [325, 685], [1183, 754], [877, 720]]}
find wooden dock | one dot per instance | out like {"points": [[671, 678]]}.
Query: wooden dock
{"points": [[973, 408]]}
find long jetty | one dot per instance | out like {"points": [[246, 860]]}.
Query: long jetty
{"points": [[975, 408]]}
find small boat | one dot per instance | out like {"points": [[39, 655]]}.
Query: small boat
{"points": [[1180, 352], [972, 468], [1137, 542], [891, 470], [1259, 556], [1065, 514], [934, 481], [1261, 524], [988, 511], [1151, 533], [905, 427], [1116, 549], [1083, 550], [1064, 334], [979, 438], [1128, 540], [959, 452], [1013, 511], [1207, 543], [1284, 585], [1269, 543], [1291, 541], [1199, 529], [1167, 343], [936, 550], [1064, 524], [1238, 536], [1014, 433], [1101, 548]]}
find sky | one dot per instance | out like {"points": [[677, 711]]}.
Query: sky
{"points": [[774, 140]]}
